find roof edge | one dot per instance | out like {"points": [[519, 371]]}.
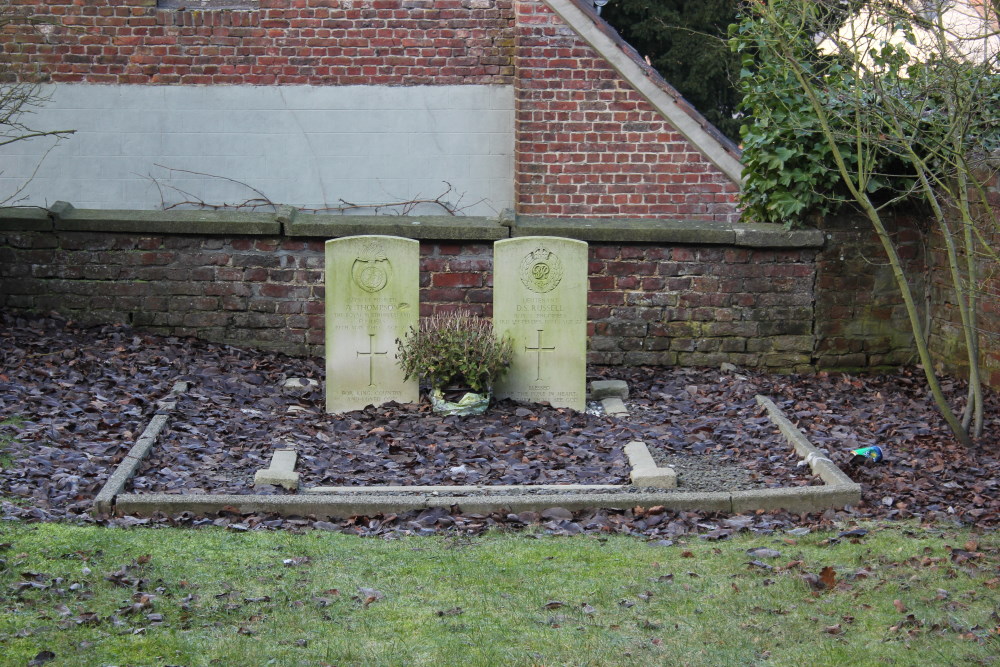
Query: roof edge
{"points": [[604, 39]]}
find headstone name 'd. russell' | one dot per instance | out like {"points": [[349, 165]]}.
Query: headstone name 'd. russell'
{"points": [[540, 301]]}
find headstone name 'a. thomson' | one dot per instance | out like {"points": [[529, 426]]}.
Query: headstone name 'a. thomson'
{"points": [[372, 299], [540, 301]]}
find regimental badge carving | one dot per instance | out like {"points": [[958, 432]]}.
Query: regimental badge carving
{"points": [[372, 270], [541, 271]]}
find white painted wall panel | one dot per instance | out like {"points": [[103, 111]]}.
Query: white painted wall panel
{"points": [[306, 146]]}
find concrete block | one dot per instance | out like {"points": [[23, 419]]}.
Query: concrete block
{"points": [[299, 385], [644, 470], [797, 499], [600, 389], [281, 472], [614, 407]]}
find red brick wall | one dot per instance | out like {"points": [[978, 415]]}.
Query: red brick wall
{"points": [[318, 42], [647, 304], [589, 145]]}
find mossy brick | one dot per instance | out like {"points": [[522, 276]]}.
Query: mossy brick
{"points": [[708, 345], [702, 358], [761, 344], [191, 303], [206, 319], [792, 343], [648, 358], [625, 329], [683, 329], [599, 343], [785, 360], [605, 358]]}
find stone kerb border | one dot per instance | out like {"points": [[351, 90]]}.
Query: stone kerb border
{"points": [[105, 500], [838, 491]]}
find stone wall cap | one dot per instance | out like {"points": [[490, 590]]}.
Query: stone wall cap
{"points": [[202, 222], [290, 222], [769, 235], [627, 230], [25, 219], [697, 232], [422, 227]]}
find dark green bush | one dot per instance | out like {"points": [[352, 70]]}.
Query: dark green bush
{"points": [[455, 350]]}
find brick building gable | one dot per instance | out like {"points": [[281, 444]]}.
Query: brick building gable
{"points": [[594, 135]]}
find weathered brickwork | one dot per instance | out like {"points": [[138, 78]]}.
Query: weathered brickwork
{"points": [[648, 304], [283, 42], [701, 306], [860, 318], [257, 292], [947, 338], [588, 144]]}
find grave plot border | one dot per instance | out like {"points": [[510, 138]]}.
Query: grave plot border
{"points": [[837, 491]]}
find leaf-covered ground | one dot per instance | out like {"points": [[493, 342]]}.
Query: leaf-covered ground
{"points": [[73, 401]]}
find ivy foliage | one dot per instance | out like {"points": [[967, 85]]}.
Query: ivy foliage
{"points": [[455, 350], [890, 115], [789, 171]]}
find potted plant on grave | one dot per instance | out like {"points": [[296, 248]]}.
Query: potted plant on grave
{"points": [[459, 357]]}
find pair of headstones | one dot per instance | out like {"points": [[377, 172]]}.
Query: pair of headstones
{"points": [[372, 299]]}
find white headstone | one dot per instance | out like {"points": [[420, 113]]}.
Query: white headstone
{"points": [[540, 301], [372, 299]]}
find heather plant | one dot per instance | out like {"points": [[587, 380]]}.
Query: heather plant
{"points": [[455, 350]]}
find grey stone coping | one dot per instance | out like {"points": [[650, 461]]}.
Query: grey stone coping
{"points": [[670, 231], [459, 488], [25, 219], [585, 20], [105, 499], [819, 463], [230, 223], [333, 506], [289, 222], [442, 228], [339, 506]]}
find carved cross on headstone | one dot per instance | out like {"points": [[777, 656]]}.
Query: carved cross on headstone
{"points": [[538, 349], [540, 301], [371, 354]]}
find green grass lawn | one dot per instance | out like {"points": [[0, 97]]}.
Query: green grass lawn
{"points": [[903, 594]]}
